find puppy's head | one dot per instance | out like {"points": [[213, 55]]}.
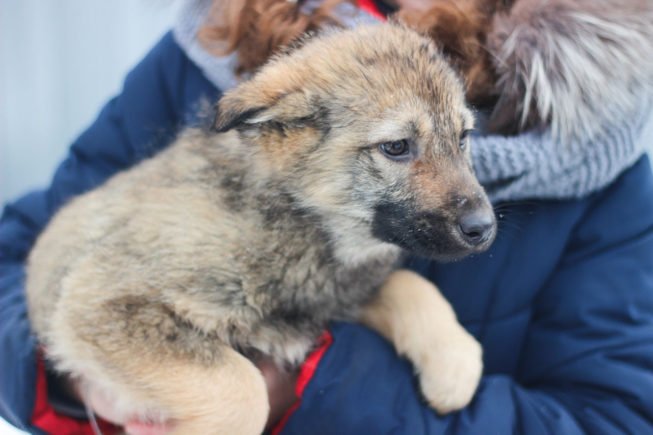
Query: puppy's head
{"points": [[368, 128]]}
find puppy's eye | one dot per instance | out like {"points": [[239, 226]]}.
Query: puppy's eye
{"points": [[396, 150], [463, 138]]}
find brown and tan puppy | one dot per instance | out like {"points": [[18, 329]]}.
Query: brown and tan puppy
{"points": [[249, 238]]}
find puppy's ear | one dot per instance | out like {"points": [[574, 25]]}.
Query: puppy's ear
{"points": [[227, 119], [247, 110], [236, 109]]}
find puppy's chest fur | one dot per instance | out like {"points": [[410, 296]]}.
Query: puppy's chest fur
{"points": [[292, 283], [269, 280]]}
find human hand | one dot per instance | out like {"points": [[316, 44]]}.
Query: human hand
{"points": [[281, 388]]}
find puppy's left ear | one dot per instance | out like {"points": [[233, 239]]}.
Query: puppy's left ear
{"points": [[236, 109], [241, 108], [226, 120]]}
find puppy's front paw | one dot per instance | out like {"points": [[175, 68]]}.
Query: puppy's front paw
{"points": [[449, 373], [418, 320]]}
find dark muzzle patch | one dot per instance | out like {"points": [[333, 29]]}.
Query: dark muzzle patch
{"points": [[431, 234]]}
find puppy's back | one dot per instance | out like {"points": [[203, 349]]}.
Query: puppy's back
{"points": [[158, 217]]}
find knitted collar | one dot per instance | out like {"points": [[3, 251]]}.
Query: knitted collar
{"points": [[533, 165]]}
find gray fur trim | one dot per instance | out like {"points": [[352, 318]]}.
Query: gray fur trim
{"points": [[531, 165]]}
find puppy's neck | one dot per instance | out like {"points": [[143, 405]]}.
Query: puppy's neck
{"points": [[349, 241]]}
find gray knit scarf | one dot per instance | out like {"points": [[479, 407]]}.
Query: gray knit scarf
{"points": [[528, 166]]}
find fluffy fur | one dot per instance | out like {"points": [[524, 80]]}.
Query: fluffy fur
{"points": [[573, 65], [570, 66], [250, 238]]}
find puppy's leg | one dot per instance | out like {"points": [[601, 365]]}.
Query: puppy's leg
{"points": [[136, 355], [228, 398], [411, 313]]}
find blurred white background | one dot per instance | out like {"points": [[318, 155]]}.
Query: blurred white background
{"points": [[6, 429], [60, 61]]}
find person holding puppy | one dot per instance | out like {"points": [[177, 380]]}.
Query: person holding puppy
{"points": [[561, 303]]}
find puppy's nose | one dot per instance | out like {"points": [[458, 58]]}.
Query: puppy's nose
{"points": [[476, 226]]}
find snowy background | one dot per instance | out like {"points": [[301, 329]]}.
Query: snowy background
{"points": [[60, 61]]}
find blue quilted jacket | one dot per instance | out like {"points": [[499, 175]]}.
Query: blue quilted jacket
{"points": [[562, 303]]}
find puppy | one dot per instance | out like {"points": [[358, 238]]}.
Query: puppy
{"points": [[247, 239]]}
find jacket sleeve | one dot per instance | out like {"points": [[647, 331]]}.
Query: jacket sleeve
{"points": [[586, 367], [142, 119]]}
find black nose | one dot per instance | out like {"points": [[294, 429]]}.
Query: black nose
{"points": [[476, 226]]}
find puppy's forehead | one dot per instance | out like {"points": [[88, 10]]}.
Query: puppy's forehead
{"points": [[367, 73], [405, 103], [418, 119], [403, 72]]}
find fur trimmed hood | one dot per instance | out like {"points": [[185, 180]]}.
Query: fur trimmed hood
{"points": [[572, 64], [583, 66]]}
